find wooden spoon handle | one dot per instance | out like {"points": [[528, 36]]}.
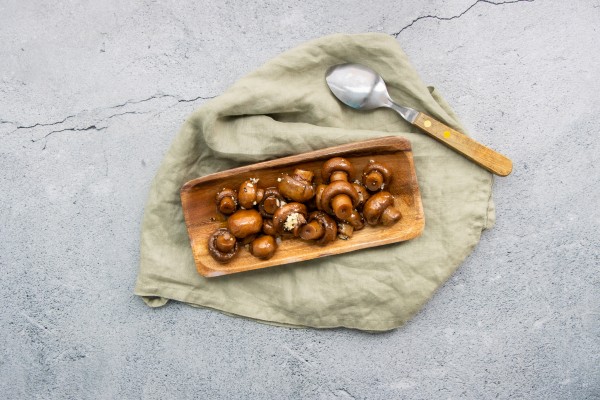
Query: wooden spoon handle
{"points": [[474, 151]]}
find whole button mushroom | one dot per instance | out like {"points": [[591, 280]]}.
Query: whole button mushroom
{"points": [[222, 245], [353, 223], [376, 176], [290, 218], [320, 228], [268, 228], [270, 202], [319, 195], [380, 209], [345, 230], [244, 223], [339, 198], [249, 194], [298, 186], [263, 247], [356, 220], [363, 194], [227, 201]]}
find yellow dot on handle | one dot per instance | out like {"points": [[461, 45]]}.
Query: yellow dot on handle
{"points": [[427, 123], [446, 134]]}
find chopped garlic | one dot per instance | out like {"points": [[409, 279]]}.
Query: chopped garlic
{"points": [[254, 202], [278, 179], [291, 221], [254, 180]]}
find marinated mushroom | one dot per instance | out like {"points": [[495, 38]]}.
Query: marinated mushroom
{"points": [[379, 209], [244, 223], [345, 230], [222, 245], [319, 195], [337, 169], [363, 194], [356, 220], [263, 247], [290, 218], [376, 175], [227, 201], [268, 228], [249, 194], [298, 186], [320, 228], [270, 202], [339, 198]]}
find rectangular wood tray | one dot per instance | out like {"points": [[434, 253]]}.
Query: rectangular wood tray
{"points": [[202, 218]]}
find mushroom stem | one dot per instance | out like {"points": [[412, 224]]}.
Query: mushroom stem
{"points": [[390, 216], [338, 176], [342, 206], [225, 242], [312, 231], [374, 180]]}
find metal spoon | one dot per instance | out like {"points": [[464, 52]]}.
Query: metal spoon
{"points": [[362, 88]]}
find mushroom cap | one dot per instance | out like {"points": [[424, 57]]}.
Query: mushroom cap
{"points": [[270, 202], [363, 194], [375, 206], [334, 189], [225, 193], [319, 195], [329, 226], [281, 215], [298, 186], [263, 247], [244, 223], [381, 168], [337, 164], [213, 250], [249, 193]]}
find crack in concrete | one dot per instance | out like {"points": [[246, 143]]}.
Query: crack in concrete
{"points": [[96, 123], [396, 34], [88, 128], [128, 102]]}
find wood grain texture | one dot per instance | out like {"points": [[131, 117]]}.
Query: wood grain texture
{"points": [[483, 156], [202, 218]]}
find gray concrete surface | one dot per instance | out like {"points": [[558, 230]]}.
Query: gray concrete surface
{"points": [[91, 94]]}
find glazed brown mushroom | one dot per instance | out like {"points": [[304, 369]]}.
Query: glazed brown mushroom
{"points": [[249, 194], [298, 186], [263, 247], [222, 245], [356, 220], [339, 198], [290, 218], [345, 230], [320, 228], [380, 209], [244, 223], [268, 228], [363, 194], [227, 201], [270, 202], [376, 175], [337, 169], [319, 195]]}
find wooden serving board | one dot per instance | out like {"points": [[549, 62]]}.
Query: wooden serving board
{"points": [[202, 218]]}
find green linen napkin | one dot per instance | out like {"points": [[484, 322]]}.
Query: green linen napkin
{"points": [[285, 108]]}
